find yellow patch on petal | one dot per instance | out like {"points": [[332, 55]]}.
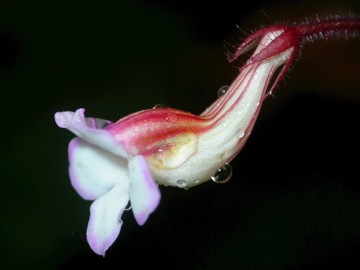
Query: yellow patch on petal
{"points": [[173, 152]]}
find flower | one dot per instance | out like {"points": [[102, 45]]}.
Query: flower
{"points": [[102, 171], [114, 163]]}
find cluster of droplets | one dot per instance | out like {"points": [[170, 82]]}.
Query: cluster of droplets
{"points": [[224, 174], [221, 176]]}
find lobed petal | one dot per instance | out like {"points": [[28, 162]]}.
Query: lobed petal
{"points": [[144, 192], [105, 218], [94, 171]]}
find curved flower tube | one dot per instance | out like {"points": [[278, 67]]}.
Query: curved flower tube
{"points": [[114, 163]]}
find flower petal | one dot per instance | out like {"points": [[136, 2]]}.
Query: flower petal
{"points": [[144, 192], [105, 218], [90, 129], [173, 151], [94, 171]]}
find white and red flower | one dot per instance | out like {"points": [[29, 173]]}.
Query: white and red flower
{"points": [[114, 163]]}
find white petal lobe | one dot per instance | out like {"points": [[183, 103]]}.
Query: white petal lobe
{"points": [[144, 192]]}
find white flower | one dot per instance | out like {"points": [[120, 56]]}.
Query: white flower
{"points": [[102, 171]]}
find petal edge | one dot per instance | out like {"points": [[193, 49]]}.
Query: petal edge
{"points": [[144, 192], [105, 218]]}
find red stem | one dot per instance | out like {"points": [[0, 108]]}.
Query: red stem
{"points": [[340, 27]]}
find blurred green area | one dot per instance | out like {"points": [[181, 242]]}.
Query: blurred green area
{"points": [[294, 199]]}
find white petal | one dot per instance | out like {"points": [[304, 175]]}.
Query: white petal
{"points": [[89, 129], [144, 192], [94, 171], [105, 218]]}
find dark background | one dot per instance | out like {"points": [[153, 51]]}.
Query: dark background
{"points": [[293, 201]]}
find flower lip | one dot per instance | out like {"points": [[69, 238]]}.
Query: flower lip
{"points": [[105, 218], [93, 171], [101, 170], [63, 119], [88, 129]]}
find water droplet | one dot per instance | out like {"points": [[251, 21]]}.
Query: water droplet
{"points": [[160, 105], [240, 133], [222, 90], [223, 174], [196, 181], [128, 206], [170, 117], [257, 103], [159, 150], [181, 183]]}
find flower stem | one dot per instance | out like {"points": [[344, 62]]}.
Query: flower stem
{"points": [[337, 27]]}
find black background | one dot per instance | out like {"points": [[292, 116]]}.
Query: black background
{"points": [[293, 201]]}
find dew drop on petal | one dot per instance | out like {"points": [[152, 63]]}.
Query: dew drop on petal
{"points": [[160, 105], [222, 90], [181, 183], [240, 133], [128, 206], [170, 117], [223, 174], [157, 151]]}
